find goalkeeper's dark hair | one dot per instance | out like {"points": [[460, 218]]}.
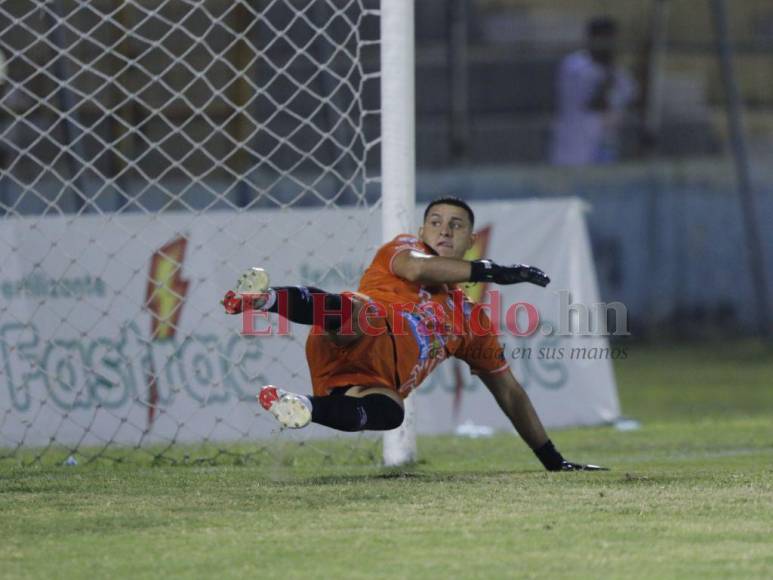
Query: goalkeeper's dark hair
{"points": [[450, 200]]}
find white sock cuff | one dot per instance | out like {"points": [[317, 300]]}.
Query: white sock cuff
{"points": [[306, 401], [270, 299]]}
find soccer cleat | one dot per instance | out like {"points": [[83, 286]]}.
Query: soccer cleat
{"points": [[287, 408], [253, 283]]}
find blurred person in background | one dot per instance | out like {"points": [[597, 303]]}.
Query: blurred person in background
{"points": [[592, 95]]}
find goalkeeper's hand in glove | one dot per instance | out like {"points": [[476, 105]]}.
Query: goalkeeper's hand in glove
{"points": [[554, 461], [488, 271]]}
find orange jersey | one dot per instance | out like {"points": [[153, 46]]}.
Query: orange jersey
{"points": [[421, 326]]}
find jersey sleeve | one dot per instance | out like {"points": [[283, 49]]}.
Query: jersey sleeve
{"points": [[386, 255], [482, 351]]}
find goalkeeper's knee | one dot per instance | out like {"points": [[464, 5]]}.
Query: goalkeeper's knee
{"points": [[374, 412], [383, 412]]}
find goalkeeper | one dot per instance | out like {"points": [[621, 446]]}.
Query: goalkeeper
{"points": [[369, 349]]}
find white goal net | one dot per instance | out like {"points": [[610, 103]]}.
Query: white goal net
{"points": [[151, 151]]}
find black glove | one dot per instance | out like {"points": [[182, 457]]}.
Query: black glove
{"points": [[488, 271], [554, 461]]}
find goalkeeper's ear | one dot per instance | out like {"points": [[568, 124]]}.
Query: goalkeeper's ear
{"points": [[473, 238]]}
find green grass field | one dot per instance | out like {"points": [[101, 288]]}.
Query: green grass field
{"points": [[690, 495]]}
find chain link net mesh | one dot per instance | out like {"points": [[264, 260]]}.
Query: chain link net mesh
{"points": [[151, 151]]}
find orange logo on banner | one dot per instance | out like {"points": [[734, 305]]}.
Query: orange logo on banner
{"points": [[164, 298], [474, 292], [166, 289]]}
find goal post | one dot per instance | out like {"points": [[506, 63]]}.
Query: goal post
{"points": [[398, 168]]}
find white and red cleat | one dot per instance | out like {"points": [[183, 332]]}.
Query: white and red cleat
{"points": [[291, 410]]}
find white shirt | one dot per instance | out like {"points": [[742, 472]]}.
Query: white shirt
{"points": [[578, 131]]}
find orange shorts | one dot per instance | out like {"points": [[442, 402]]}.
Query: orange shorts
{"points": [[369, 362], [396, 361]]}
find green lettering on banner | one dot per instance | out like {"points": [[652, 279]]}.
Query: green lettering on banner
{"points": [[19, 369], [112, 372], [198, 361], [99, 287], [37, 285], [113, 382], [239, 365], [64, 374]]}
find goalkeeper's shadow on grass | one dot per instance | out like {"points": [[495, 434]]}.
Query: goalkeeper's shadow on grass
{"points": [[419, 474]]}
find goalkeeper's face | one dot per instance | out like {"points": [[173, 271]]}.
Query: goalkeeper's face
{"points": [[448, 231]]}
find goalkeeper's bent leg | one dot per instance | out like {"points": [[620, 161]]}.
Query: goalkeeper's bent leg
{"points": [[364, 409], [360, 411], [297, 304]]}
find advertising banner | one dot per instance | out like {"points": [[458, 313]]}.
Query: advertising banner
{"points": [[111, 330]]}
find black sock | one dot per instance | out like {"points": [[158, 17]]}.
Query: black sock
{"points": [[298, 302], [372, 412]]}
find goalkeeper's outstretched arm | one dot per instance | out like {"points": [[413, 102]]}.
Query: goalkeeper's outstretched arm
{"points": [[427, 269], [515, 403]]}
